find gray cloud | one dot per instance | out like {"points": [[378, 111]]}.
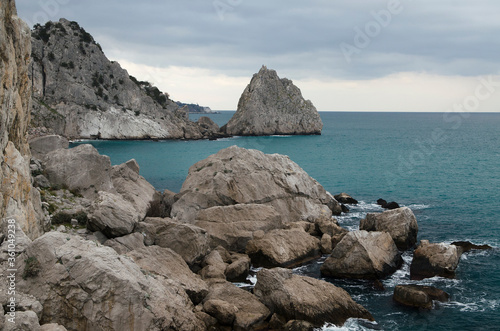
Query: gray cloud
{"points": [[296, 37]]}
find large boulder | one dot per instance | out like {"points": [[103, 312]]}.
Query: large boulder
{"points": [[283, 248], [400, 223], [305, 298], [233, 226], [240, 176], [270, 105], [362, 254], [250, 311], [42, 145], [431, 260], [418, 296], [80, 169], [97, 289]]}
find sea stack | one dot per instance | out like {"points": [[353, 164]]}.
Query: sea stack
{"points": [[271, 105]]}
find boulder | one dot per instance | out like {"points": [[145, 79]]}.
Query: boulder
{"points": [[170, 265], [238, 269], [112, 215], [214, 266], [189, 241], [467, 246], [295, 325], [251, 311], [387, 205], [80, 169], [363, 254], [305, 298], [125, 244], [283, 248], [270, 105], [97, 289], [326, 244], [25, 321], [346, 198], [431, 260], [233, 226], [418, 296], [400, 223], [45, 144], [239, 176], [52, 327], [223, 311]]}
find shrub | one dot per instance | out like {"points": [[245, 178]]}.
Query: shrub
{"points": [[32, 268], [61, 218]]}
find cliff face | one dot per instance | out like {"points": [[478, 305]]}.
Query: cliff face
{"points": [[18, 199], [79, 93], [270, 105]]}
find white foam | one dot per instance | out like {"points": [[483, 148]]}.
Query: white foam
{"points": [[352, 324]]}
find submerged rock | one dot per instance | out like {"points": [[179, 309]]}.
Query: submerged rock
{"points": [[270, 105], [303, 298], [467, 246], [362, 254], [431, 260], [418, 296], [400, 223]]}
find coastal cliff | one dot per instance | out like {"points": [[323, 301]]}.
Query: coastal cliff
{"points": [[271, 105], [79, 93], [18, 199]]}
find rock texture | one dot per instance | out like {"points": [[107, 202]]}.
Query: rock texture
{"points": [[18, 199], [418, 296], [362, 254], [87, 287], [400, 223], [79, 93], [303, 298], [42, 145], [270, 105], [239, 176], [431, 260]]}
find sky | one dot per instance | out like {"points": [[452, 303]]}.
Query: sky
{"points": [[344, 55]]}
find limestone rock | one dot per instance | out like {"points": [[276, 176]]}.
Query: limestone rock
{"points": [[400, 223], [125, 244], [223, 311], [165, 262], [362, 254], [81, 169], [25, 321], [431, 260], [79, 93], [101, 290], [239, 176], [250, 312], [233, 226], [52, 327], [326, 244], [305, 298], [214, 266], [345, 198], [238, 269], [270, 105], [43, 145], [283, 248], [18, 199], [418, 296]]}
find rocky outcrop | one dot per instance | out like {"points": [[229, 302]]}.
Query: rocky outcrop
{"points": [[42, 145], [79, 93], [431, 260], [400, 223], [270, 105], [303, 298], [345, 198], [362, 254], [283, 248], [418, 296], [87, 287], [387, 205], [18, 199], [239, 176]]}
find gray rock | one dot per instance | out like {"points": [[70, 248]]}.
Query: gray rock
{"points": [[25, 321], [125, 244], [326, 244], [239, 176], [431, 260], [101, 290], [270, 105], [418, 296], [42, 145], [400, 223], [41, 181], [52, 327], [362, 254], [283, 248], [305, 298]]}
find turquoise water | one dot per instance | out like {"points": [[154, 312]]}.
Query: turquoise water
{"points": [[446, 167]]}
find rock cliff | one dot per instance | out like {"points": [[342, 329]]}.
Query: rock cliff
{"points": [[79, 93], [270, 105], [18, 199]]}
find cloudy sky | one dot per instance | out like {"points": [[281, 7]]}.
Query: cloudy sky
{"points": [[365, 55]]}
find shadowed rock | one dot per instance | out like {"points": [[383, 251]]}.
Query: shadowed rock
{"points": [[418, 296], [431, 260]]}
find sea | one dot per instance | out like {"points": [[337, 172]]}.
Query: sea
{"points": [[444, 166]]}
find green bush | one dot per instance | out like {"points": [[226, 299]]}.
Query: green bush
{"points": [[61, 218], [32, 268]]}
